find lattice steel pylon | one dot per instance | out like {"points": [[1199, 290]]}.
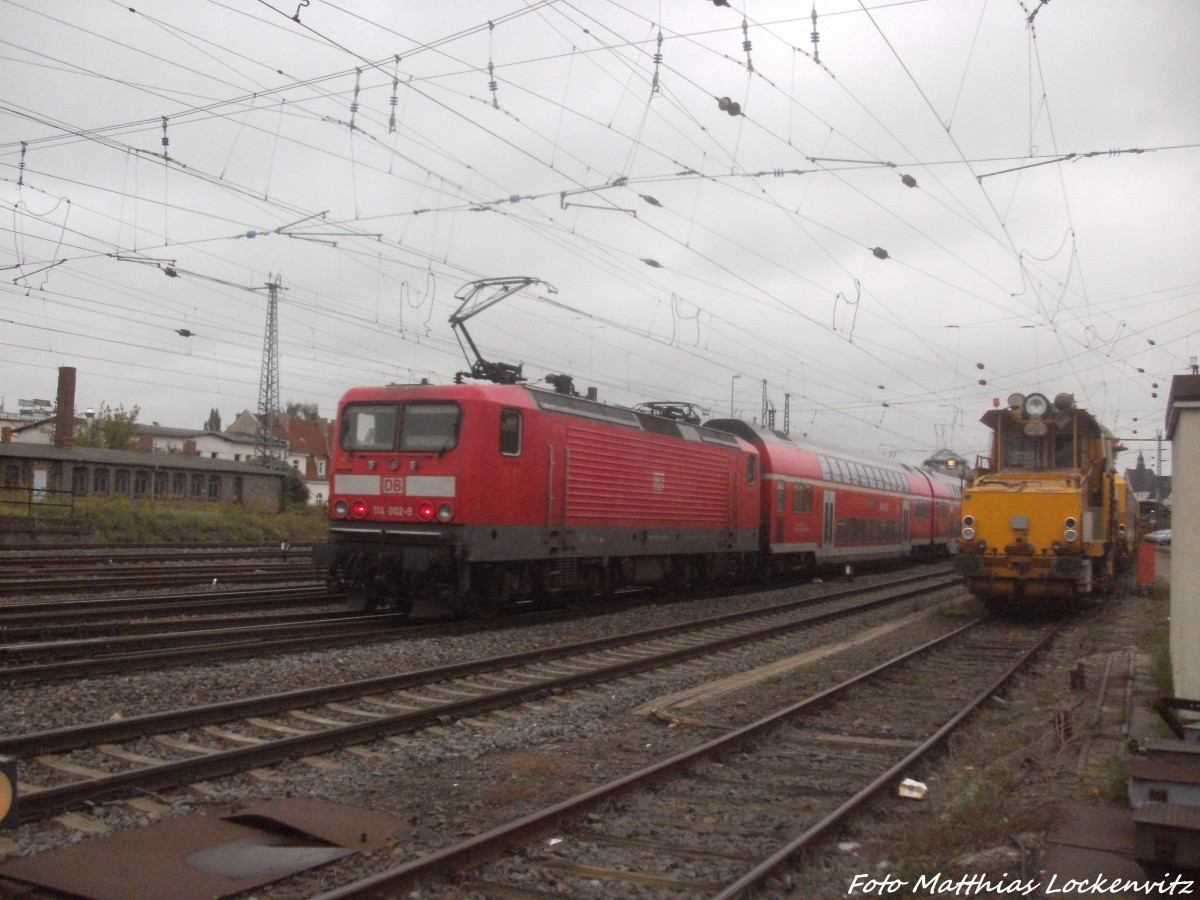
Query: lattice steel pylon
{"points": [[266, 448]]}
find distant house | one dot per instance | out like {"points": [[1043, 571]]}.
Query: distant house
{"points": [[308, 447], [197, 442], [1153, 491], [39, 431], [30, 412], [948, 463]]}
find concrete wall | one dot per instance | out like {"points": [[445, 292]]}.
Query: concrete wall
{"points": [[1183, 430]]}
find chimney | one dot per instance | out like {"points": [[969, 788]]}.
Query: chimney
{"points": [[64, 426]]}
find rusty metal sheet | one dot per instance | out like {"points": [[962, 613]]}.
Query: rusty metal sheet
{"points": [[345, 826], [198, 857]]}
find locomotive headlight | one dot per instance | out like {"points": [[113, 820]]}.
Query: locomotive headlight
{"points": [[968, 521], [426, 512], [1036, 406], [1071, 535], [359, 509], [968, 533], [340, 508], [1071, 522], [445, 512]]}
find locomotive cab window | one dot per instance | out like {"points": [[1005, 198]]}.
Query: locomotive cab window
{"points": [[369, 426], [411, 427], [429, 426], [510, 432]]}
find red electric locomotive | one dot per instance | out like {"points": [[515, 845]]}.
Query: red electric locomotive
{"points": [[823, 505], [471, 497]]}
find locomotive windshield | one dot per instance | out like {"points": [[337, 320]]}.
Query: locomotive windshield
{"points": [[407, 427], [429, 426]]}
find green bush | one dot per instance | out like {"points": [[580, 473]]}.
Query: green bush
{"points": [[123, 520]]}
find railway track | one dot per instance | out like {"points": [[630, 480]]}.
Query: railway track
{"points": [[22, 663], [238, 736], [742, 806], [128, 568], [110, 614]]}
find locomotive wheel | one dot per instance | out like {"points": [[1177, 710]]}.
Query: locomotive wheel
{"points": [[596, 580], [360, 597], [495, 593], [360, 601]]}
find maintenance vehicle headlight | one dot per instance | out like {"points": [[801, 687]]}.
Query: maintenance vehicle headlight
{"points": [[1036, 406]]}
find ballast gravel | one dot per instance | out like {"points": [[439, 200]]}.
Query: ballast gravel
{"points": [[443, 783]]}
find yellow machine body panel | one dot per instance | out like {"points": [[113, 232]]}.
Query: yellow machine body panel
{"points": [[1044, 516]]}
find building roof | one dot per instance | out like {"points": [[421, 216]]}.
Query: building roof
{"points": [[306, 436], [1185, 394], [303, 436], [34, 424], [187, 434], [142, 458], [1145, 482]]}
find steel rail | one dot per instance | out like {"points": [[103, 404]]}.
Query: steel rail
{"points": [[23, 615], [120, 628], [74, 737], [47, 801], [43, 584], [784, 854], [233, 546], [187, 646], [489, 845]]}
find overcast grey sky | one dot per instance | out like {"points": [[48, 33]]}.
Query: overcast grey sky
{"points": [[934, 194]]}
